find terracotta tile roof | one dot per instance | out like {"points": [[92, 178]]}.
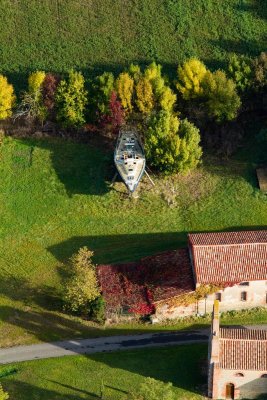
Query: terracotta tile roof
{"points": [[229, 257], [243, 349]]}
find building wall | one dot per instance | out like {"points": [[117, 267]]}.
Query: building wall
{"points": [[230, 300], [250, 386]]}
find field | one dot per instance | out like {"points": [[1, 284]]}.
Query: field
{"points": [[80, 377], [55, 197], [107, 35]]}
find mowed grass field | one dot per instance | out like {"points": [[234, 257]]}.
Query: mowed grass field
{"points": [[80, 377], [55, 197], [56, 35]]}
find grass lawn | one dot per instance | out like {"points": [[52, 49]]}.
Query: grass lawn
{"points": [[79, 377], [55, 198], [107, 35]]}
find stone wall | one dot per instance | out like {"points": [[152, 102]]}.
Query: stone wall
{"points": [[230, 300]]}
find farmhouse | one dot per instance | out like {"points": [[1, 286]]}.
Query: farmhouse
{"points": [[237, 361], [228, 266]]}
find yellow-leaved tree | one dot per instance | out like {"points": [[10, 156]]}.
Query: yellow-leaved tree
{"points": [[125, 88], [3, 395], [35, 81], [190, 77], [82, 287], [144, 95], [7, 98]]}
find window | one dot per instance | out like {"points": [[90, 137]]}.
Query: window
{"points": [[239, 374], [243, 284], [218, 296], [264, 376], [243, 296], [266, 298]]}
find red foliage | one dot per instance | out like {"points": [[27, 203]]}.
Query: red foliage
{"points": [[116, 115], [49, 88], [139, 285]]}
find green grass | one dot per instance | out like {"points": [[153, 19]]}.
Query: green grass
{"points": [[55, 198], [80, 377], [101, 35]]}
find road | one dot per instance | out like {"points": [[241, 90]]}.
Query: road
{"points": [[102, 344]]}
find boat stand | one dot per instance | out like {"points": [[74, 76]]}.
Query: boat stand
{"points": [[131, 194]]}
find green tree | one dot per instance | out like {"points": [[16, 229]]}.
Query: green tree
{"points": [[190, 77], [103, 87], [3, 395], [240, 71], [71, 99], [222, 100], [7, 98], [82, 287], [171, 145], [152, 389]]}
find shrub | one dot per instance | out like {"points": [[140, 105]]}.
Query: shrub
{"points": [[222, 100], [35, 81], [125, 87], [152, 389], [96, 310], [82, 287], [190, 150], [7, 98], [71, 99], [49, 87], [240, 71], [190, 78]]}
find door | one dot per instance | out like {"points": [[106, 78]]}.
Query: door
{"points": [[230, 391]]}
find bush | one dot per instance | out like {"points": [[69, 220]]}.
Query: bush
{"points": [[260, 71], [222, 100], [96, 310], [190, 77], [82, 287], [172, 146], [151, 389], [7, 98], [71, 99], [240, 71], [35, 82]]}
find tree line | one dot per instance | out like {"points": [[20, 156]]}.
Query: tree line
{"points": [[171, 114]]}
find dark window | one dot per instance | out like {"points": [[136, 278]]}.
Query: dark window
{"points": [[244, 284], [264, 376], [243, 296], [218, 296], [266, 298], [239, 374]]}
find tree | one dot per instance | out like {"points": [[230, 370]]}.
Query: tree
{"points": [[260, 71], [240, 71], [71, 99], [167, 99], [102, 88], [35, 81], [144, 96], [125, 88], [152, 389], [190, 78], [3, 395], [171, 145], [7, 98], [49, 87], [222, 100], [82, 287]]}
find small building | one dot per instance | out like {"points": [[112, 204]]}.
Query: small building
{"points": [[237, 361]]}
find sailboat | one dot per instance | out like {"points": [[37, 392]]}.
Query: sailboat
{"points": [[129, 157]]}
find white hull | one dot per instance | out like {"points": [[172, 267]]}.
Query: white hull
{"points": [[129, 158]]}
